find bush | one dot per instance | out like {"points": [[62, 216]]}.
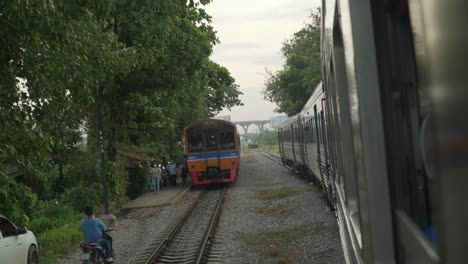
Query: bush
{"points": [[118, 183], [48, 215], [138, 182], [60, 240], [81, 196], [41, 224]]}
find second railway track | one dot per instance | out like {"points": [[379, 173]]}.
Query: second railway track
{"points": [[188, 240], [275, 158]]}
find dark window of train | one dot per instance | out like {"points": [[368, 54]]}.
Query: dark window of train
{"points": [[311, 131], [226, 140], [211, 140], [195, 143]]}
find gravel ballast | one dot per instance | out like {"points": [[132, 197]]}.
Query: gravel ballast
{"points": [[269, 216], [253, 236], [137, 230]]}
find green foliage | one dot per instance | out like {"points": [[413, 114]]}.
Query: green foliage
{"points": [[80, 196], [41, 224], [149, 58], [269, 138], [291, 87], [49, 215], [138, 182], [118, 182], [50, 60], [60, 240], [57, 228]]}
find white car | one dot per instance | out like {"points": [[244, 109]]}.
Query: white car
{"points": [[17, 244]]}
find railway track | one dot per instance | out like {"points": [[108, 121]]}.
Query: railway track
{"points": [[189, 239], [274, 157]]}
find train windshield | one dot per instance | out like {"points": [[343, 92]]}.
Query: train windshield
{"points": [[212, 138], [195, 142]]}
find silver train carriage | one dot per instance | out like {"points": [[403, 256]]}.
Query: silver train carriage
{"points": [[394, 77], [394, 137]]}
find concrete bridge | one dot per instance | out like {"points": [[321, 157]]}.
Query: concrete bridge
{"points": [[261, 124]]}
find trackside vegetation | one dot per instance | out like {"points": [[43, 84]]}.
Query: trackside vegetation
{"points": [[292, 86], [144, 66]]}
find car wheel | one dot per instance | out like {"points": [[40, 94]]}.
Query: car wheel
{"points": [[33, 256]]}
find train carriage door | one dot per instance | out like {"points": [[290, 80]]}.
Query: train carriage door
{"points": [[328, 188], [325, 139], [293, 135], [301, 140], [318, 142], [306, 141], [280, 141]]}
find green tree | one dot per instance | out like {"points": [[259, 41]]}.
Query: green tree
{"points": [[291, 86], [51, 55], [150, 59]]}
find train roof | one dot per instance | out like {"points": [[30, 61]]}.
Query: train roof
{"points": [[289, 121], [209, 121], [313, 98]]}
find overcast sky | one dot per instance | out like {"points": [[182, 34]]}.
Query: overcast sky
{"points": [[251, 34]]}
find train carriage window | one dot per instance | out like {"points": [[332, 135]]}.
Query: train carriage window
{"points": [[226, 140], [195, 142], [211, 140], [311, 132]]}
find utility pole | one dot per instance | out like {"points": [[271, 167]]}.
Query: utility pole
{"points": [[101, 148]]}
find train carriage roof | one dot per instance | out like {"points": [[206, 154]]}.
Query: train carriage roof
{"points": [[316, 95], [291, 120], [209, 123]]}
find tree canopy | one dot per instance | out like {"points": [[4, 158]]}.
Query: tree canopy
{"points": [[149, 59], [291, 87]]}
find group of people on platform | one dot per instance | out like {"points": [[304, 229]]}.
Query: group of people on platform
{"points": [[168, 174]]}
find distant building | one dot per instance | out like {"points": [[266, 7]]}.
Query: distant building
{"points": [[224, 117], [277, 120]]}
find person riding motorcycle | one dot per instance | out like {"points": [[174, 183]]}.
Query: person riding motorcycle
{"points": [[93, 230]]}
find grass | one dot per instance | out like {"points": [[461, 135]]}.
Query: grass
{"points": [[261, 181], [281, 210], [276, 193], [274, 244], [271, 149], [57, 242]]}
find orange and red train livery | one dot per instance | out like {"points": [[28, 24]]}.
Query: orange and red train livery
{"points": [[212, 151]]}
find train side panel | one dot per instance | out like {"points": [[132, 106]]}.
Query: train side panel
{"points": [[313, 143], [290, 142]]}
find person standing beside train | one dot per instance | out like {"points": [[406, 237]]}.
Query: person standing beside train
{"points": [[155, 172], [172, 169]]}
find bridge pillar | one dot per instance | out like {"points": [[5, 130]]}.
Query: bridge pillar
{"points": [[261, 128], [245, 127]]}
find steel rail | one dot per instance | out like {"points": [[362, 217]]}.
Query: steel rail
{"points": [[211, 228], [171, 234], [274, 158]]}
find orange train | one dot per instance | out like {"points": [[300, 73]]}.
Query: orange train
{"points": [[212, 151]]}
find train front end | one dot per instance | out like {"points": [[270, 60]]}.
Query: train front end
{"points": [[212, 151]]}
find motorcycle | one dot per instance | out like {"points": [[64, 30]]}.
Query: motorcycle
{"points": [[93, 253]]}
